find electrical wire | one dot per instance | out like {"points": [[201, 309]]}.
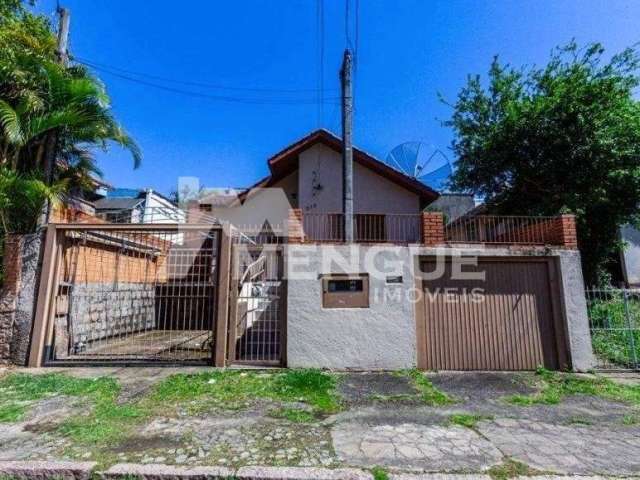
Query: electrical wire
{"points": [[223, 98], [97, 65]]}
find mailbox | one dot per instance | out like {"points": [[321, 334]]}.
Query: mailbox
{"points": [[345, 290]]}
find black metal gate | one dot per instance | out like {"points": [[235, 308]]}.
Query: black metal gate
{"points": [[134, 294]]}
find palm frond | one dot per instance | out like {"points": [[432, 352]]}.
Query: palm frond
{"points": [[10, 123]]}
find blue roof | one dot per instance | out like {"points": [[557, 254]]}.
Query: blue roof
{"points": [[123, 193]]}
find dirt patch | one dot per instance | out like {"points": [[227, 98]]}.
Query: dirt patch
{"points": [[41, 427], [366, 388], [480, 387]]}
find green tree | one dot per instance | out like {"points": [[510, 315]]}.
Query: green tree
{"points": [[564, 138], [38, 96]]}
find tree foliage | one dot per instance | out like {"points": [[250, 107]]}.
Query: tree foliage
{"points": [[564, 138], [48, 107]]}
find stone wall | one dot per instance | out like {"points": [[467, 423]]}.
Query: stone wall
{"points": [[97, 311], [18, 296]]}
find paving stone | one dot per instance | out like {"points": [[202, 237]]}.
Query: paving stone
{"points": [[413, 446], [164, 472], [568, 449]]}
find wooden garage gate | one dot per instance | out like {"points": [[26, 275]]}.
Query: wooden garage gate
{"points": [[511, 321]]}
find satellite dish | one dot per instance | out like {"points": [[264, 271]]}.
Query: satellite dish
{"points": [[421, 161]]}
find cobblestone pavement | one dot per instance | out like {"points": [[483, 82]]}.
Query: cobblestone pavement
{"points": [[383, 423]]}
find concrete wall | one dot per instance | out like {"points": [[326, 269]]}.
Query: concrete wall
{"points": [[320, 186], [380, 337], [384, 335]]}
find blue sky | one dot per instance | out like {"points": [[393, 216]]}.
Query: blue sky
{"points": [[407, 52]]}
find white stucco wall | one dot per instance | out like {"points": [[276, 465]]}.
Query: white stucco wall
{"points": [[321, 165], [384, 335], [380, 337]]}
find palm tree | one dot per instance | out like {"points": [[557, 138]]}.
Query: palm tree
{"points": [[75, 107]]}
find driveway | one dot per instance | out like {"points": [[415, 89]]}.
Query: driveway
{"points": [[384, 422]]}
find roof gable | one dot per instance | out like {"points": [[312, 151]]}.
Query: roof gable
{"points": [[286, 161]]}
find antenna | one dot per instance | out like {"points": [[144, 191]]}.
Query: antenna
{"points": [[421, 161]]}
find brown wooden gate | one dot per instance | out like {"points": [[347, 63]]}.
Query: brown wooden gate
{"points": [[509, 321]]}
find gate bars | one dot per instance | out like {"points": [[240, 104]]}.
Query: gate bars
{"points": [[614, 320], [133, 293]]}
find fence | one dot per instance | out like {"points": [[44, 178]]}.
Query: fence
{"points": [[368, 227], [614, 319], [133, 293], [499, 229]]}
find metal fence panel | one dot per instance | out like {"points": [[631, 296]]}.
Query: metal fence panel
{"points": [[614, 319], [135, 294]]}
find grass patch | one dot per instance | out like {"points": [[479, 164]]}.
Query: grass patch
{"points": [[509, 469], [429, 394], [379, 473], [631, 419], [612, 338], [467, 420], [231, 389], [555, 386], [295, 415], [19, 390]]}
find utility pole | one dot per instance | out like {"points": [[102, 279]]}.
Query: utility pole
{"points": [[51, 140], [64, 18], [347, 146]]}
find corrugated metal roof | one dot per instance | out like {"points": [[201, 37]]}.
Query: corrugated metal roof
{"points": [[117, 203]]}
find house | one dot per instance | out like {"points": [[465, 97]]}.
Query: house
{"points": [[124, 205], [476, 292], [307, 175]]}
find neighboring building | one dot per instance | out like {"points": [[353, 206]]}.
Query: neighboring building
{"points": [[630, 255], [124, 205], [453, 205]]}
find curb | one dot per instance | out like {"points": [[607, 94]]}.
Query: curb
{"points": [[46, 470], [43, 470]]}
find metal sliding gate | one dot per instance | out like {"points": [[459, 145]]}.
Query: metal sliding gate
{"points": [[257, 306], [133, 294]]}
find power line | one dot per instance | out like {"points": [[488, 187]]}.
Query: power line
{"points": [[224, 98], [320, 26], [190, 83]]}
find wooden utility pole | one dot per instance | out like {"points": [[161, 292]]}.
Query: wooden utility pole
{"points": [[347, 146], [51, 140]]}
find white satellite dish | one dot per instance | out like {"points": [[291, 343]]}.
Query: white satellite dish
{"points": [[421, 161]]}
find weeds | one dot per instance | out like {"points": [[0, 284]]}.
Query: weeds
{"points": [[556, 386], [430, 394], [379, 473], [509, 469], [467, 420], [295, 415]]}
